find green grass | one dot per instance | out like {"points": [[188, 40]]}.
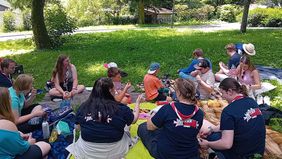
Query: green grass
{"points": [[133, 51]]}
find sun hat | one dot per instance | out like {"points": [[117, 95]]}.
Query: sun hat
{"points": [[111, 64], [203, 63], [153, 67], [249, 49]]}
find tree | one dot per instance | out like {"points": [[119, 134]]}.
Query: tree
{"points": [[245, 16], [141, 14], [41, 38]]}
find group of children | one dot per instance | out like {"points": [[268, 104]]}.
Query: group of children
{"points": [[239, 67], [172, 132]]}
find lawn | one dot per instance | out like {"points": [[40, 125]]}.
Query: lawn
{"points": [[133, 51]]}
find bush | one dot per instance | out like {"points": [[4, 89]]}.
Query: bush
{"points": [[228, 12], [9, 21], [121, 20], [269, 17], [183, 13], [26, 15], [206, 12], [58, 23]]}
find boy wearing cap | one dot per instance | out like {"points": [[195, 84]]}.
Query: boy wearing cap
{"points": [[153, 84], [205, 79], [198, 54], [233, 62]]}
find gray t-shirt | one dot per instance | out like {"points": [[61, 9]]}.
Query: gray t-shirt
{"points": [[209, 79]]}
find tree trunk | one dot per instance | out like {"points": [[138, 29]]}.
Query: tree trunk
{"points": [[141, 15], [41, 38], [244, 22]]}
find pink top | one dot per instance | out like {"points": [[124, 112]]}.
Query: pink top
{"points": [[117, 86], [246, 78]]}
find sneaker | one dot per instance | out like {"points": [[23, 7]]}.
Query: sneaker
{"points": [[134, 141]]}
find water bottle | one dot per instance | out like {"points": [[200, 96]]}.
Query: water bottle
{"points": [[260, 99], [45, 129], [54, 135]]}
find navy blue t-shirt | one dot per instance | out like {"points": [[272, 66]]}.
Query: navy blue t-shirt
{"points": [[5, 81], [177, 141], [234, 60], [100, 132], [249, 128]]}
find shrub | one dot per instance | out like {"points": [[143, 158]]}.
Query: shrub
{"points": [[58, 23], [228, 12], [124, 20], [206, 12], [26, 15], [9, 21], [269, 17], [183, 13]]}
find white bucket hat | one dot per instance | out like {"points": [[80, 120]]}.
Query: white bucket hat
{"points": [[249, 49]]}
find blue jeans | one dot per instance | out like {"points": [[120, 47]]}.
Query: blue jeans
{"points": [[186, 76], [225, 154], [149, 138]]}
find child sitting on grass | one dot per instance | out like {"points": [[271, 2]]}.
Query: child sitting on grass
{"points": [[153, 85], [121, 94]]}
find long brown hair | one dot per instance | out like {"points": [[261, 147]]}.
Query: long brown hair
{"points": [[186, 89], [247, 61], [5, 105], [59, 68], [231, 83]]}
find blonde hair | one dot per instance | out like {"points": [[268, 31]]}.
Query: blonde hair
{"points": [[5, 105], [23, 82]]}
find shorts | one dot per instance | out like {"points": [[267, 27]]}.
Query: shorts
{"points": [[68, 86], [160, 97]]}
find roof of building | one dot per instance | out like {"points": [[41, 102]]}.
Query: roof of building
{"points": [[158, 10]]}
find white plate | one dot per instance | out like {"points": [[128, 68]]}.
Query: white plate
{"points": [[57, 100], [89, 88]]}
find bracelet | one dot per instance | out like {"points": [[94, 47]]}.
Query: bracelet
{"points": [[74, 88]]}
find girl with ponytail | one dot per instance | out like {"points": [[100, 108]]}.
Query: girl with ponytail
{"points": [[172, 131], [241, 128]]}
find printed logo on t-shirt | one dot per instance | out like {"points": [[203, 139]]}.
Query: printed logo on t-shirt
{"points": [[252, 113], [188, 123], [89, 118]]}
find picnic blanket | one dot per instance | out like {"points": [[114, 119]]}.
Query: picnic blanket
{"points": [[58, 150], [269, 73]]}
